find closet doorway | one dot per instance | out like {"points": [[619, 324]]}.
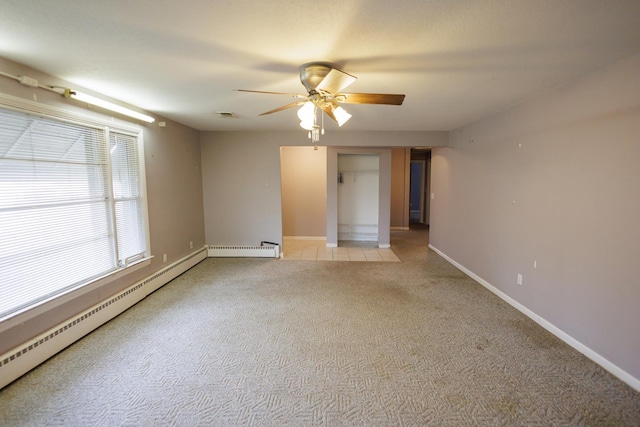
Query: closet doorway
{"points": [[358, 197]]}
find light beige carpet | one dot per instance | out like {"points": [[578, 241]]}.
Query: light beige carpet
{"points": [[273, 343]]}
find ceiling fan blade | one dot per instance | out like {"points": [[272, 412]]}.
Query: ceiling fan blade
{"points": [[295, 95], [335, 81], [284, 107], [370, 98]]}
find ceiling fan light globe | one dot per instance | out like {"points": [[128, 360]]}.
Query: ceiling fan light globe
{"points": [[306, 112], [341, 115], [306, 124]]}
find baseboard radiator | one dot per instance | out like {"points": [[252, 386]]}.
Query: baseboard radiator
{"points": [[27, 356], [272, 251]]}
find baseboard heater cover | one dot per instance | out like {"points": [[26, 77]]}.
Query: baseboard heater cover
{"points": [[27, 356], [243, 251]]}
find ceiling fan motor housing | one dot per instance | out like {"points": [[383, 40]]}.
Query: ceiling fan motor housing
{"points": [[312, 73]]}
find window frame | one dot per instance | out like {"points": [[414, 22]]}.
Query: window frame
{"points": [[108, 125]]}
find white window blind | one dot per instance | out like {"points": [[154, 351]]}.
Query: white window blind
{"points": [[71, 206], [129, 203]]}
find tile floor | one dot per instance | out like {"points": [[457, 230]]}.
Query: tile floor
{"points": [[316, 250]]}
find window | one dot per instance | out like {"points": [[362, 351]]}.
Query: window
{"points": [[72, 205]]}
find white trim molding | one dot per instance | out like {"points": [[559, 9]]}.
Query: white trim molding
{"points": [[568, 339]]}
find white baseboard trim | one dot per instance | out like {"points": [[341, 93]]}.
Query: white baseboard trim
{"points": [[384, 246], [20, 360], [568, 339]]}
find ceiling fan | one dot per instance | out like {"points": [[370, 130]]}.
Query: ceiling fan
{"points": [[324, 84]]}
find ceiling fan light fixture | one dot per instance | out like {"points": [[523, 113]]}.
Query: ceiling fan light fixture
{"points": [[307, 115], [341, 115], [307, 111], [324, 84], [308, 125]]}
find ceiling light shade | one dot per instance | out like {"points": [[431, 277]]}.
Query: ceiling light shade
{"points": [[307, 115], [341, 115], [307, 111], [83, 97], [308, 125]]}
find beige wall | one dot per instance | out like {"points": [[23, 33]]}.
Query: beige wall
{"points": [[304, 191], [242, 182], [400, 174], [242, 188], [554, 181], [174, 190]]}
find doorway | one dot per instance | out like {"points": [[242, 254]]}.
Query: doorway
{"points": [[358, 197], [419, 186], [416, 192]]}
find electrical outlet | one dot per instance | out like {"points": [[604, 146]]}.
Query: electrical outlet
{"points": [[190, 245], [164, 257], [519, 279]]}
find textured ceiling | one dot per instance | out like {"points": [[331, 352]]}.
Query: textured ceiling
{"points": [[456, 61]]}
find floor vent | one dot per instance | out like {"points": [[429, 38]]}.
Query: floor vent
{"points": [[244, 251]]}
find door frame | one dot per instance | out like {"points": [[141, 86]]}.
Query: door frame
{"points": [[384, 193]]}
